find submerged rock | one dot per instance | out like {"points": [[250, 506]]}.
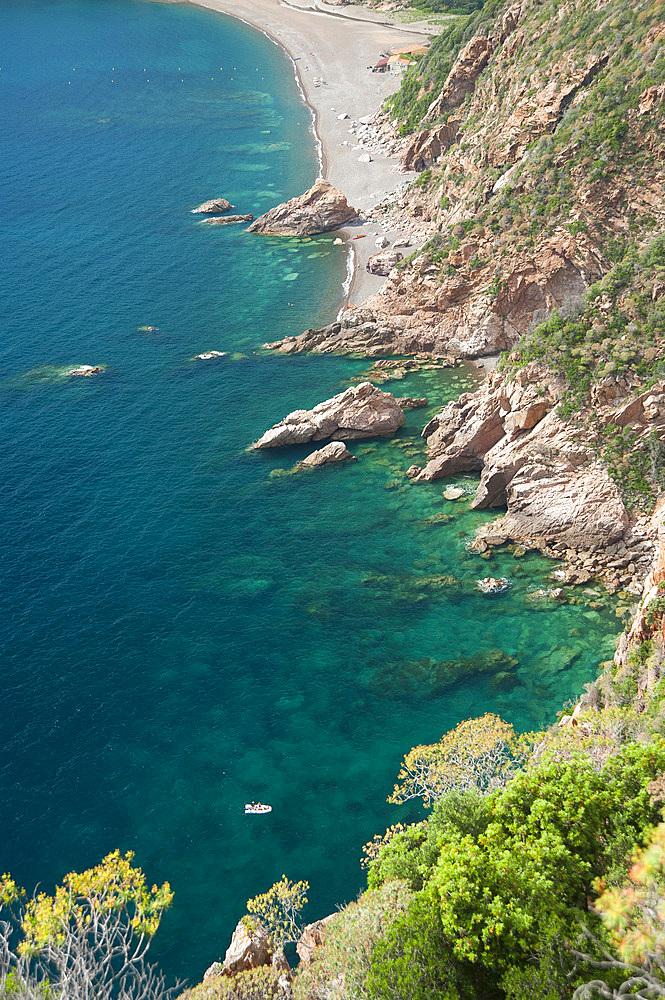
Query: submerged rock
{"points": [[428, 676], [453, 493], [359, 412], [336, 451], [318, 210], [214, 205]]}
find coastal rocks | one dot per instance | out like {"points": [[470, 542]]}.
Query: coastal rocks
{"points": [[558, 496], [86, 370], [318, 210], [210, 354], [577, 509], [383, 262], [359, 412], [214, 205], [336, 451], [249, 948], [453, 493], [227, 220]]}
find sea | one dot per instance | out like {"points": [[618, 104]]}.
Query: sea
{"points": [[185, 625]]}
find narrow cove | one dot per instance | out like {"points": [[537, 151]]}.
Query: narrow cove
{"points": [[182, 630]]}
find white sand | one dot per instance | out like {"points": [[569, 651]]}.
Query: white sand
{"points": [[336, 45]]}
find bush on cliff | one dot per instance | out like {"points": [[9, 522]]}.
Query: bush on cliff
{"points": [[504, 889]]}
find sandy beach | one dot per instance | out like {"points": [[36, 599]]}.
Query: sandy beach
{"points": [[332, 48]]}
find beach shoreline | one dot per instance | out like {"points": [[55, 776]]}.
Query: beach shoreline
{"points": [[332, 53]]}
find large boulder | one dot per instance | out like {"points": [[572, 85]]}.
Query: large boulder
{"points": [[214, 205], [361, 411], [250, 948], [336, 451], [384, 261], [318, 210]]}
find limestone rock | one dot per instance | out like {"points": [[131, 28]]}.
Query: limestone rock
{"points": [[227, 220], [384, 262], [249, 948], [214, 205], [318, 210], [336, 451], [361, 411]]}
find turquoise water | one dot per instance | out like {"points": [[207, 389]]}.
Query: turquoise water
{"points": [[181, 630]]}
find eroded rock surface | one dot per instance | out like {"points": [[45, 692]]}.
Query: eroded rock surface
{"points": [[318, 210], [361, 411]]}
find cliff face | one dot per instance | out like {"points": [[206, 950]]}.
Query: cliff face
{"points": [[541, 153]]}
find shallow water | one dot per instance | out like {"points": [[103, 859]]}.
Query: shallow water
{"points": [[181, 630]]}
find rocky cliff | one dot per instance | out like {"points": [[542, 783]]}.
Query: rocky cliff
{"points": [[540, 145]]}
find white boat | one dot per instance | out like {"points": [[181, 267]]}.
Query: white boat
{"points": [[256, 808]]}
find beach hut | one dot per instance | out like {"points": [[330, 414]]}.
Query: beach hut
{"points": [[398, 64], [409, 50], [381, 66]]}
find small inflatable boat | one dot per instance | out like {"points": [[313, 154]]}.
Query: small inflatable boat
{"points": [[252, 808]]}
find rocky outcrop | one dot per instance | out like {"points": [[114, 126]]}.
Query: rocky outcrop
{"points": [[541, 112], [227, 220], [361, 411], [384, 261], [318, 210], [427, 146], [559, 498], [461, 80], [249, 948], [336, 451], [214, 205], [312, 937]]}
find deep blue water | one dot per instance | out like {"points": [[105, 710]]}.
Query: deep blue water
{"points": [[181, 631]]}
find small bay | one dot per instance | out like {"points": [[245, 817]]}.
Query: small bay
{"points": [[183, 630]]}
